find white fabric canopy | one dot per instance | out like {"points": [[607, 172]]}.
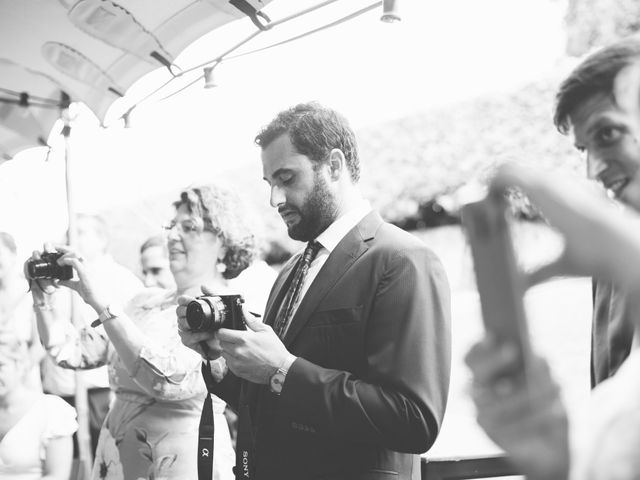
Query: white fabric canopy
{"points": [[93, 50]]}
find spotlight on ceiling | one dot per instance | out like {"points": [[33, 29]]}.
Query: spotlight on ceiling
{"points": [[209, 81], [390, 11]]}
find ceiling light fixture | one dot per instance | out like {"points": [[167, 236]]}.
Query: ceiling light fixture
{"points": [[390, 11], [209, 81]]}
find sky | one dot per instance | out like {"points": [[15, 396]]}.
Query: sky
{"points": [[439, 54]]}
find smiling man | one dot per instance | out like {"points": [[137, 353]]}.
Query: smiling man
{"points": [[599, 105], [347, 378]]}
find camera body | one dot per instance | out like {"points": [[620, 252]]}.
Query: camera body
{"points": [[211, 313], [47, 267]]}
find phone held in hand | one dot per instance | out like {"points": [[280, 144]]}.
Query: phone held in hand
{"points": [[500, 285]]}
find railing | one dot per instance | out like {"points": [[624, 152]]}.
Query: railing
{"points": [[459, 468], [456, 468]]}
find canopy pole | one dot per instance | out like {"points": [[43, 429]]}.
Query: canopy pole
{"points": [[85, 453]]}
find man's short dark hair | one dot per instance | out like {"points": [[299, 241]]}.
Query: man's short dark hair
{"points": [[314, 131], [596, 74]]}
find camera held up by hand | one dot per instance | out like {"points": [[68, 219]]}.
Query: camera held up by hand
{"points": [[47, 267], [210, 313]]}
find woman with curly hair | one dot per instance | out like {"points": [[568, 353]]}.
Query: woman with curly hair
{"points": [[151, 430]]}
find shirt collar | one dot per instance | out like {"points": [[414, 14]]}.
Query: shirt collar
{"points": [[335, 232]]}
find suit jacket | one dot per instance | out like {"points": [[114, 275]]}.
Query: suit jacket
{"points": [[611, 330], [368, 391]]}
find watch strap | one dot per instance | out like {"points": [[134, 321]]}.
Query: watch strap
{"points": [[104, 315], [278, 377], [282, 373]]}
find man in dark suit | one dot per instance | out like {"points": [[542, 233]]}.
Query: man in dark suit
{"points": [[347, 378]]}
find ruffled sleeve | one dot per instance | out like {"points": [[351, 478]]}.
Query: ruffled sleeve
{"points": [[168, 373], [79, 350], [165, 368], [69, 347]]}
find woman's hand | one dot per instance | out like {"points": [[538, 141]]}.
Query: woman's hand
{"points": [[83, 283]]}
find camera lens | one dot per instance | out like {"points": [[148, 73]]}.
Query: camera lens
{"points": [[47, 267], [206, 313], [198, 311], [39, 269]]}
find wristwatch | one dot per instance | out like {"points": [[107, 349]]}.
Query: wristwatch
{"points": [[110, 312], [277, 380]]}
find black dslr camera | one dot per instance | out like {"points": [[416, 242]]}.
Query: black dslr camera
{"points": [[47, 267], [210, 313]]}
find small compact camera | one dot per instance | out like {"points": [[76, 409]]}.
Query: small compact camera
{"points": [[210, 313], [47, 267]]}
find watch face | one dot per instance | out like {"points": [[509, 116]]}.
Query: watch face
{"points": [[276, 382]]}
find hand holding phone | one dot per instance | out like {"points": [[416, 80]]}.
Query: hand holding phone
{"points": [[500, 284]]}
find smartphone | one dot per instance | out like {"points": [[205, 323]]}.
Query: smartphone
{"points": [[500, 284]]}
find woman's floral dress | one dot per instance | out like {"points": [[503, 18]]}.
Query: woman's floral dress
{"points": [[151, 430]]}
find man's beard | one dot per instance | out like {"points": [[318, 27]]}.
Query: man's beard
{"points": [[317, 213]]}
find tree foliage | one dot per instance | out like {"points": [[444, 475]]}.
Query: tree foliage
{"points": [[593, 23], [414, 160]]}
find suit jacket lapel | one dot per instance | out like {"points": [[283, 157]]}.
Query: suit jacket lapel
{"points": [[352, 246]]}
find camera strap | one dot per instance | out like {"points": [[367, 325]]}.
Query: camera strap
{"points": [[206, 429], [244, 443]]}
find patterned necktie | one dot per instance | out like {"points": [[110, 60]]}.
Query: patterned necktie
{"points": [[291, 299]]}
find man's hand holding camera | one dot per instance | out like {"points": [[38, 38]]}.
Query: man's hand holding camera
{"points": [[254, 353]]}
